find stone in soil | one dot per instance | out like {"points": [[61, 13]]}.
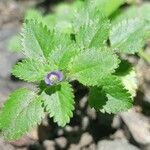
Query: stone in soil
{"points": [[74, 147], [115, 145], [85, 123], [146, 105], [90, 147], [116, 123], [91, 113], [83, 102], [86, 139], [137, 128], [119, 134], [49, 145], [5, 146], [61, 142], [143, 71], [35, 146]]}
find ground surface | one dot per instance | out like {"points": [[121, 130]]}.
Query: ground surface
{"points": [[88, 130]]}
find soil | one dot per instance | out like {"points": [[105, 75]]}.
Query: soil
{"points": [[88, 130]]}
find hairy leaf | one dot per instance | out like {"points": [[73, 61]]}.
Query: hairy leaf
{"points": [[64, 50], [111, 96], [37, 40], [61, 20], [21, 112], [142, 11], [131, 82], [107, 7], [92, 65], [33, 14], [58, 101], [97, 98], [129, 35], [92, 29], [128, 76], [31, 70]]}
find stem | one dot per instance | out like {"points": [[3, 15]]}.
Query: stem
{"points": [[145, 56]]}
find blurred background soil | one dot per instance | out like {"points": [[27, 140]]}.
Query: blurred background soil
{"points": [[87, 130]]}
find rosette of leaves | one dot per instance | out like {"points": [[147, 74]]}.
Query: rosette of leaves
{"points": [[53, 60]]}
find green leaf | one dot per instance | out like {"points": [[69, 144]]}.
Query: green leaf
{"points": [[33, 14], [130, 82], [31, 70], [112, 97], [37, 40], [59, 103], [92, 65], [91, 29], [129, 35], [142, 11], [97, 98], [124, 68], [21, 112], [14, 44], [144, 55], [65, 11], [64, 50], [128, 76], [63, 25], [107, 7], [50, 21], [61, 20]]}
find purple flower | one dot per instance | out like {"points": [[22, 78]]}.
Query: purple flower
{"points": [[53, 78]]}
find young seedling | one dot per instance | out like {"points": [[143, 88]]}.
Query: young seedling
{"points": [[53, 60]]}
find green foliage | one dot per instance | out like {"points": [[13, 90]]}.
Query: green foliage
{"points": [[14, 45], [112, 97], [92, 65], [31, 70], [128, 76], [106, 6], [73, 44], [131, 28], [33, 13], [64, 50], [144, 55], [22, 111], [134, 11], [129, 36], [37, 40], [91, 29], [61, 20], [130, 82], [59, 103]]}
